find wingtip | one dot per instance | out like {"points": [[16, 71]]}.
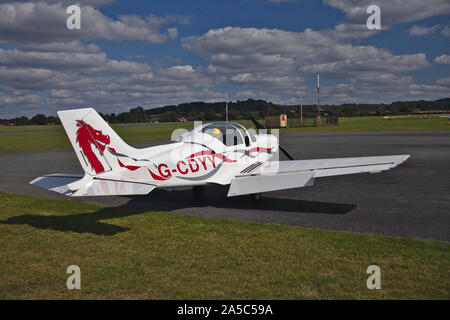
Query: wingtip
{"points": [[404, 158]]}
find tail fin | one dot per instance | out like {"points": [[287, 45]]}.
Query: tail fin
{"points": [[93, 140]]}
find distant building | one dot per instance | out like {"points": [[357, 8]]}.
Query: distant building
{"points": [[276, 121], [182, 119]]}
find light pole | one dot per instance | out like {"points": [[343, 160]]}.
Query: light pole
{"points": [[318, 100], [226, 104], [301, 108]]}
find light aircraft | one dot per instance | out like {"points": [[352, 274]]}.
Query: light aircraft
{"points": [[215, 153]]}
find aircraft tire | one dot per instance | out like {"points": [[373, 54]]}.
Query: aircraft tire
{"points": [[255, 197]]}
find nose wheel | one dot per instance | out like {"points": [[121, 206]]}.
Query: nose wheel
{"points": [[255, 197]]}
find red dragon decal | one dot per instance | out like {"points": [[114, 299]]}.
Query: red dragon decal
{"points": [[88, 136]]}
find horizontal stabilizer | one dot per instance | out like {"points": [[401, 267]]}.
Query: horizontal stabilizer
{"points": [[57, 182], [80, 186], [100, 187]]}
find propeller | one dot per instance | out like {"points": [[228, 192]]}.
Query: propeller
{"points": [[260, 126]]}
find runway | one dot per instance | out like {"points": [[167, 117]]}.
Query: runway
{"points": [[412, 200]]}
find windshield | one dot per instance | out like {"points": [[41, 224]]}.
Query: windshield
{"points": [[226, 133]]}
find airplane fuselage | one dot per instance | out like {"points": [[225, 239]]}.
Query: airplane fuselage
{"points": [[191, 162]]}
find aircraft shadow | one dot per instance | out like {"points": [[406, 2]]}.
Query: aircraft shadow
{"points": [[215, 196], [162, 200], [80, 223]]}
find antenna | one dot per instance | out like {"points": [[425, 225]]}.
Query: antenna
{"points": [[226, 104]]}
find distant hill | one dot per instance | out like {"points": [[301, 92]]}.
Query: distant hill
{"points": [[249, 105], [241, 110]]}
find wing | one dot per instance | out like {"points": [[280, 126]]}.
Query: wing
{"points": [[79, 185], [279, 175]]}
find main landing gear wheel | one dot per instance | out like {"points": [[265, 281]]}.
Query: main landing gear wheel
{"points": [[255, 196], [199, 192]]}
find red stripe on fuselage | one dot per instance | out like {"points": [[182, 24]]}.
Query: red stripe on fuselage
{"points": [[132, 168], [210, 152]]}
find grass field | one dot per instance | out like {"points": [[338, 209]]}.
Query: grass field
{"points": [[131, 254], [38, 141], [379, 124], [13, 139]]}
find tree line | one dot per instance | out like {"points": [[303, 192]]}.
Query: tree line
{"points": [[242, 110]]}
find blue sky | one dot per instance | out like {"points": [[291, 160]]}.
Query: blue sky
{"points": [[154, 53]]}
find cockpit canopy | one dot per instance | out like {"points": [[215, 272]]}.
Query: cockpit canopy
{"points": [[230, 134]]}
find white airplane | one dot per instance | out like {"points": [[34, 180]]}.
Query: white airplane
{"points": [[213, 153]]}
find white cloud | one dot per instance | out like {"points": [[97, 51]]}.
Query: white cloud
{"points": [[444, 81], [278, 89], [446, 31], [268, 84], [350, 32], [444, 59], [62, 93], [271, 63], [252, 50], [68, 46], [173, 33], [380, 61], [422, 31], [71, 88], [382, 87], [23, 78], [392, 11], [75, 61], [428, 92], [233, 50], [28, 21], [42, 77]]}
